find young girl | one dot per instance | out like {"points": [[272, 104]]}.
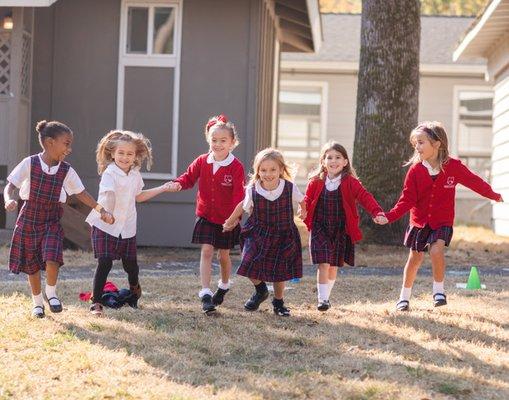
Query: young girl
{"points": [[331, 198], [220, 189], [271, 248], [428, 192], [120, 155], [44, 181]]}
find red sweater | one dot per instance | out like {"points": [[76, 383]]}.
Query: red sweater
{"points": [[352, 192], [218, 194], [432, 202]]}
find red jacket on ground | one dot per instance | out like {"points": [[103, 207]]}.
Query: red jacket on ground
{"points": [[352, 192], [219, 193], [432, 202]]}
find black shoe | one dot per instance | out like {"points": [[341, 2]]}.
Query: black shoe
{"points": [[439, 299], [53, 308], [218, 297], [323, 305], [403, 305], [280, 310], [256, 299], [38, 312], [207, 305]]}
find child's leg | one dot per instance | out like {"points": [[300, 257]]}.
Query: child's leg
{"points": [[333, 272], [261, 294], [207, 252], [101, 274], [279, 290], [413, 263], [52, 269], [438, 268], [34, 281], [322, 282], [278, 303], [226, 266], [131, 267]]}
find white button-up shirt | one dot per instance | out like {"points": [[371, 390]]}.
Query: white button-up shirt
{"points": [[270, 195], [125, 188], [20, 177], [332, 184]]}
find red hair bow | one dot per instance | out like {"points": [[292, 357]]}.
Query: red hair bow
{"points": [[220, 118]]}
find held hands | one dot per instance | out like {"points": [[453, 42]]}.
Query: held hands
{"points": [[302, 213], [107, 217], [229, 225], [380, 219], [172, 186], [11, 205]]}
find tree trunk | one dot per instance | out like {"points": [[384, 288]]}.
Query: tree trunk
{"points": [[387, 105]]}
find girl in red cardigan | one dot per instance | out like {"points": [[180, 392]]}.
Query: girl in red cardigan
{"points": [[428, 193], [220, 189], [331, 199]]}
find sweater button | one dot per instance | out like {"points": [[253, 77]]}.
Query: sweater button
{"points": [[429, 215]]}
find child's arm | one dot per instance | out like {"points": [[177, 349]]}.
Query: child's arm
{"points": [[302, 212], [368, 202], [477, 184], [189, 178], [145, 195], [10, 203], [233, 219], [407, 199], [88, 200]]}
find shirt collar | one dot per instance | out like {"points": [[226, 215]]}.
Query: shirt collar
{"points": [[46, 166], [335, 180], [227, 161], [117, 170], [431, 170]]}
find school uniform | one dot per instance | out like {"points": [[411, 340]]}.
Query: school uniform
{"points": [[38, 236], [220, 189], [430, 197], [270, 240], [118, 240]]}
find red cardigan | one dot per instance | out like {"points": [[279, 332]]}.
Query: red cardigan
{"points": [[352, 192], [432, 202], [219, 193]]}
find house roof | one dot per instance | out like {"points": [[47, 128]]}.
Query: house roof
{"points": [[439, 36], [487, 29]]}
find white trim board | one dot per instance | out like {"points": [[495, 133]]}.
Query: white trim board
{"points": [[152, 60], [27, 3]]}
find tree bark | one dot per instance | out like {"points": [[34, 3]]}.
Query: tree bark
{"points": [[387, 105]]}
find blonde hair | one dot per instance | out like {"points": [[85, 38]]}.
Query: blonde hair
{"points": [[435, 132], [107, 145], [274, 155], [320, 172], [220, 122]]}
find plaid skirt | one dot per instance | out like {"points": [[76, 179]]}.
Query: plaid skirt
{"points": [[331, 246], [420, 239], [114, 248], [33, 246], [206, 232]]}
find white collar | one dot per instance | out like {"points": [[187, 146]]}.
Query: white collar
{"points": [[431, 170], [46, 166], [335, 180], [119, 171], [270, 194], [223, 163]]}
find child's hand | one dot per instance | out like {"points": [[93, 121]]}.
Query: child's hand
{"points": [[302, 213], [500, 200], [11, 205], [229, 225], [172, 186], [381, 219], [107, 217]]}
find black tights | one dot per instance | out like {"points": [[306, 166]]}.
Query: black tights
{"points": [[103, 269]]}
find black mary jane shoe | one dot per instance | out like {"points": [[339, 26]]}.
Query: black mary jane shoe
{"points": [[439, 299], [218, 296], [54, 308], [256, 299], [207, 305], [38, 312], [323, 305], [403, 305]]}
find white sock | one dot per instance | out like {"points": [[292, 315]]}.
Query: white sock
{"points": [[205, 291], [37, 299], [323, 291], [331, 285], [51, 291], [224, 286], [438, 287], [405, 294]]}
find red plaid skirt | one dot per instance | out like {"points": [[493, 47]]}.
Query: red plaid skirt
{"points": [[420, 239], [206, 232], [114, 248]]}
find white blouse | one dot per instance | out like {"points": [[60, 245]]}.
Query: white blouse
{"points": [[270, 195], [432, 171], [218, 164], [332, 184]]}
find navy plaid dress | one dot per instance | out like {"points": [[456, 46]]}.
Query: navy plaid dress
{"points": [[114, 248], [421, 239], [270, 241], [38, 236], [206, 232], [329, 244]]}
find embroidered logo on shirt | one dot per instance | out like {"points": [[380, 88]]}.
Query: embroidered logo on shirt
{"points": [[450, 183], [227, 180]]}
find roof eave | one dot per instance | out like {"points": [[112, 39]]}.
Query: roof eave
{"points": [[28, 3]]}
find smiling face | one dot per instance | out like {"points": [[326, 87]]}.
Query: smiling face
{"points": [[221, 143], [59, 147], [124, 155], [428, 150], [334, 162], [269, 172]]}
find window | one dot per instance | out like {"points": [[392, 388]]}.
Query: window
{"points": [[301, 125], [474, 133]]}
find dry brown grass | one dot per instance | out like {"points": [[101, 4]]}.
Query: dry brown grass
{"points": [[361, 349]]}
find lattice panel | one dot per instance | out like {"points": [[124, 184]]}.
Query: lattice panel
{"points": [[5, 63], [26, 59]]}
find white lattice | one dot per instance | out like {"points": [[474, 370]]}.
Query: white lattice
{"points": [[26, 60], [5, 63]]}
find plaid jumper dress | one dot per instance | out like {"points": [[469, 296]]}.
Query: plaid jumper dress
{"points": [[329, 244], [271, 248], [114, 248], [38, 236], [206, 232]]}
